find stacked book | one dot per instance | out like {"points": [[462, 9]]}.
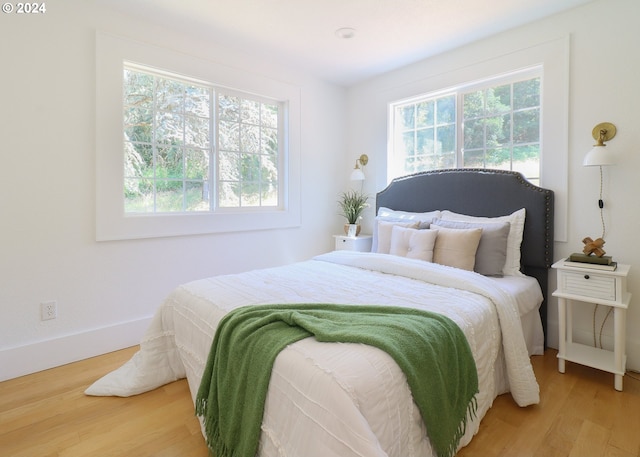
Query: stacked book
{"points": [[591, 261]]}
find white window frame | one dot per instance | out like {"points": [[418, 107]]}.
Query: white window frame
{"points": [[503, 58], [111, 221], [395, 163]]}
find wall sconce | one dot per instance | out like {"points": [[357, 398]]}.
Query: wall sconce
{"points": [[357, 174], [600, 156]]}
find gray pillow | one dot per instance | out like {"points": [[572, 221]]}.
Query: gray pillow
{"points": [[492, 250]]}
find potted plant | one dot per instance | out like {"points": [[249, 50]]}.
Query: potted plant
{"points": [[351, 204]]}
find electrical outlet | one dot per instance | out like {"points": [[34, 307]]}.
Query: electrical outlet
{"points": [[48, 310]]}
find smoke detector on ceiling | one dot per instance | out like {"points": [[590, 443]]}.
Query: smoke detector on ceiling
{"points": [[346, 33]]}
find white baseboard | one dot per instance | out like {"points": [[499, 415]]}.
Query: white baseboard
{"points": [[42, 355]]}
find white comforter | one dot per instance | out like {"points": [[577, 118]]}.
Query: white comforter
{"points": [[337, 399]]}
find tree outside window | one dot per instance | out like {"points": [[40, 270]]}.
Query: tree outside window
{"points": [[192, 147], [489, 126]]}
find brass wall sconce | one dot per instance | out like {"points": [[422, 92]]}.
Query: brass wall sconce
{"points": [[357, 173], [600, 156]]}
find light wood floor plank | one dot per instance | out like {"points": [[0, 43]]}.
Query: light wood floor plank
{"points": [[47, 415], [591, 441]]}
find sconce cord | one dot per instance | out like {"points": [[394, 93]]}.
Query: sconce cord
{"points": [[595, 310], [601, 206]]}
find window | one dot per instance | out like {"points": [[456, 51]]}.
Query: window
{"points": [[492, 64], [491, 124], [188, 146], [185, 142], [425, 134], [249, 150]]}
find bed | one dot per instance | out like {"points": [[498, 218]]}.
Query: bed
{"points": [[349, 399]]}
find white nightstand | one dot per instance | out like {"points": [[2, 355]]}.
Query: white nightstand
{"points": [[360, 243], [591, 285]]}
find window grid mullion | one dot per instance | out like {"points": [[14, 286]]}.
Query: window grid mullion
{"points": [[418, 154], [484, 127], [214, 147], [183, 149], [154, 137], [260, 155], [460, 130], [511, 120]]}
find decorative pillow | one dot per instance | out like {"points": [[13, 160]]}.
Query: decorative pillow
{"points": [[406, 216], [386, 214], [492, 250], [516, 219], [412, 243], [456, 247], [384, 234]]}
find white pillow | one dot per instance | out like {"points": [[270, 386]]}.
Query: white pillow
{"points": [[405, 216], [456, 247], [385, 229], [386, 214], [412, 243], [516, 230]]}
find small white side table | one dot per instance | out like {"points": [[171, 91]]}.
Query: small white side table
{"points": [[603, 287], [360, 243]]}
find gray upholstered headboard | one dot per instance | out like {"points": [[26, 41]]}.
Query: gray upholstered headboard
{"points": [[480, 192]]}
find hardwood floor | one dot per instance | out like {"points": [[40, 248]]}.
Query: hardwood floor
{"points": [[47, 415], [580, 414]]}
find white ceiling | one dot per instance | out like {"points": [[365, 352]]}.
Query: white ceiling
{"points": [[388, 33]]}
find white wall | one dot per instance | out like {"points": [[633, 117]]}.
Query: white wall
{"points": [[107, 291], [603, 86]]}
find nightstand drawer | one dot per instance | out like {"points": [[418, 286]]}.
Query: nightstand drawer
{"points": [[360, 243], [589, 285]]}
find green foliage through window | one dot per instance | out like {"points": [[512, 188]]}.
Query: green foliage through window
{"points": [[499, 127], [192, 147]]}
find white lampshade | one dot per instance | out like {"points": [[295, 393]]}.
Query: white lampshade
{"points": [[357, 174], [598, 156]]}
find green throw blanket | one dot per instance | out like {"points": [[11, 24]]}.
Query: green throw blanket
{"points": [[430, 349]]}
